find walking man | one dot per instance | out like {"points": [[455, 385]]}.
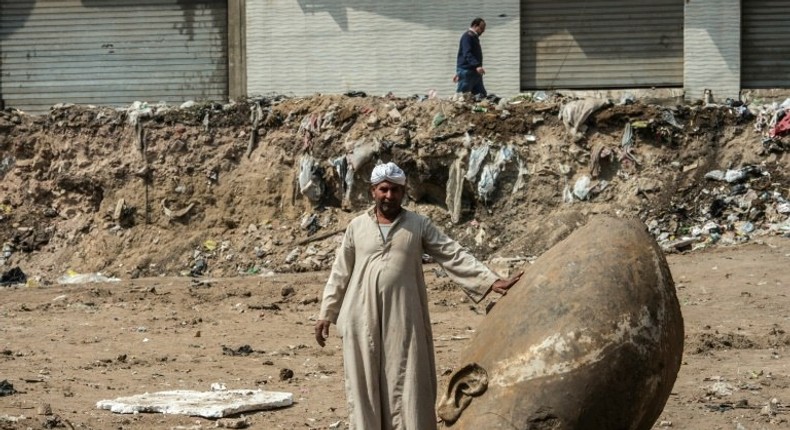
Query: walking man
{"points": [[469, 64], [376, 295]]}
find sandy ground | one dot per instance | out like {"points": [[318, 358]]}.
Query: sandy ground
{"points": [[69, 346]]}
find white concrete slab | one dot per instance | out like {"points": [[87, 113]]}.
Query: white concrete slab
{"points": [[208, 404]]}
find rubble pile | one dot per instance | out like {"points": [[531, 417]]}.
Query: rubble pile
{"points": [[267, 185]]}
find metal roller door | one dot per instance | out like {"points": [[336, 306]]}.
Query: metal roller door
{"points": [[112, 52], [765, 51], [601, 44]]}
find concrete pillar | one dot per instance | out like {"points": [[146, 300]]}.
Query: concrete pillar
{"points": [[237, 55], [712, 49]]}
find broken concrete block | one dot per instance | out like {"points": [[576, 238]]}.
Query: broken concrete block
{"points": [[208, 404]]}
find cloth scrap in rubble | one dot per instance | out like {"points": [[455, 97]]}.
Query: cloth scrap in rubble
{"points": [[781, 128]]}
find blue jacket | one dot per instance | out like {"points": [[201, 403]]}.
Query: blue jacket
{"points": [[470, 54]]}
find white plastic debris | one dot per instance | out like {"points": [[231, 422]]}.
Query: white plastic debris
{"points": [[476, 159], [720, 389], [85, 278], [487, 184], [582, 187], [208, 404], [574, 113], [138, 110], [310, 183], [730, 176]]}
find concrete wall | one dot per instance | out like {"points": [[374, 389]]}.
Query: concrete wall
{"points": [[405, 46], [712, 49]]}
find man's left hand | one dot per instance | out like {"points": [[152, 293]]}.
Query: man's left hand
{"points": [[502, 285]]}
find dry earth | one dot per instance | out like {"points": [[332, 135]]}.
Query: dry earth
{"points": [[152, 195], [70, 346]]}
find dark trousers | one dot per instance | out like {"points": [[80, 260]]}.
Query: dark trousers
{"points": [[469, 81]]}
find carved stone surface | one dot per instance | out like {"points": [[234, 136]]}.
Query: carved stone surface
{"points": [[590, 338]]}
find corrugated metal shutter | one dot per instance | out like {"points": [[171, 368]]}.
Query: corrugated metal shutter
{"points": [[307, 46], [112, 52], [765, 50], [601, 44]]}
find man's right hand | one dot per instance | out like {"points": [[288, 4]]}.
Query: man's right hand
{"points": [[322, 331], [481, 70]]}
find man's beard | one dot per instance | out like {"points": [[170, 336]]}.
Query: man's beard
{"points": [[388, 208]]}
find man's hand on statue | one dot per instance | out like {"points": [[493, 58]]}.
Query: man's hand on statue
{"points": [[322, 331], [502, 285]]}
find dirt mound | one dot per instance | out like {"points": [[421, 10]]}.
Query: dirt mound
{"points": [[266, 185]]}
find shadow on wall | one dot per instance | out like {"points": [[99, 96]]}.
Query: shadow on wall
{"points": [[189, 8], [395, 9], [21, 10]]}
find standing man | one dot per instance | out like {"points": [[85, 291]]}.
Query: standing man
{"points": [[469, 69], [376, 295]]}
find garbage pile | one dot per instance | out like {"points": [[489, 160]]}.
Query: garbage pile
{"points": [[267, 185], [734, 206]]}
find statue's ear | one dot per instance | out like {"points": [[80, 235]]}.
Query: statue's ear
{"points": [[467, 382]]}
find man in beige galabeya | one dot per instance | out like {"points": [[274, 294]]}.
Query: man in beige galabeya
{"points": [[376, 295]]}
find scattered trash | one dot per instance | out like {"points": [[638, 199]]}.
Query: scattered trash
{"points": [[72, 277], [243, 350], [627, 99], [138, 110], [310, 223], [199, 267], [6, 164], [311, 183], [455, 186], [575, 113], [476, 159], [731, 176], [171, 214], [6, 388], [12, 276], [486, 186], [361, 152], [582, 187], [720, 389], [521, 180], [540, 96], [627, 145], [438, 119], [292, 256], [395, 115], [772, 408], [207, 404]]}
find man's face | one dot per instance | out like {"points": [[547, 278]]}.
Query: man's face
{"points": [[388, 197], [480, 28]]}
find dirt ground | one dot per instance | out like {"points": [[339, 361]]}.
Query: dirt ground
{"points": [[69, 346], [220, 223]]}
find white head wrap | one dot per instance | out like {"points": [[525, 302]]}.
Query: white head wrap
{"points": [[388, 172]]}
